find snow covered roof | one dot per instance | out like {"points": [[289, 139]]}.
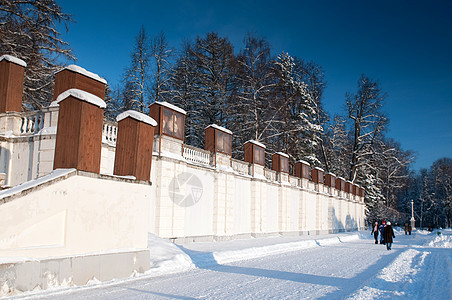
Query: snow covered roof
{"points": [[320, 169], [341, 178], [80, 70], [303, 162], [80, 95], [282, 154], [220, 128], [13, 59], [332, 174], [171, 106], [137, 116], [256, 143]]}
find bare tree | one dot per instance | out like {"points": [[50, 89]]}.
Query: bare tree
{"points": [[28, 30], [136, 79], [161, 53]]}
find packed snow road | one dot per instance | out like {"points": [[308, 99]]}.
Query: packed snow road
{"points": [[418, 267]]}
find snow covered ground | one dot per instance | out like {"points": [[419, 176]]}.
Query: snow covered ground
{"points": [[342, 266]]}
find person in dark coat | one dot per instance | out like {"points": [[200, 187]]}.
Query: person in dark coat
{"points": [[388, 235], [375, 232]]}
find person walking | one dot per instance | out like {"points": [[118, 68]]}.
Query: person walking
{"points": [[388, 235], [381, 229], [375, 232]]}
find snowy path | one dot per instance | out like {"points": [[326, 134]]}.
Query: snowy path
{"points": [[418, 267]]}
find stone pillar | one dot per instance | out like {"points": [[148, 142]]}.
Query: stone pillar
{"points": [[348, 189], [75, 77], [170, 130], [255, 155], [340, 186], [303, 171], [330, 181], [134, 145], [219, 142], [79, 133], [12, 72], [280, 164]]}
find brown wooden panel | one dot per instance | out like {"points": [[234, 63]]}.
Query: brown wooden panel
{"points": [[68, 131], [317, 175], [340, 184], [79, 136], [11, 86], [249, 155], [347, 187], [134, 149], [210, 139], [126, 143], [154, 112], [276, 162], [67, 79], [90, 138], [330, 180]]}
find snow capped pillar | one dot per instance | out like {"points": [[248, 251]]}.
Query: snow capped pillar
{"points": [[134, 145], [12, 72], [330, 181], [317, 178], [219, 141], [280, 164], [348, 189], [361, 193], [75, 77], [303, 171], [79, 133], [340, 186], [170, 131], [255, 155]]}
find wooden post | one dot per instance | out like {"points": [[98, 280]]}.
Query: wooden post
{"points": [[75, 77], [12, 72], [134, 145], [317, 175], [280, 162], [302, 170], [79, 133]]}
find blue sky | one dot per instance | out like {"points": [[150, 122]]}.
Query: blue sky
{"points": [[406, 45]]}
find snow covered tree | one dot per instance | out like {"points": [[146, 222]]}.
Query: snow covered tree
{"points": [[28, 30], [161, 53], [367, 123], [255, 81], [211, 64], [136, 78], [296, 131]]}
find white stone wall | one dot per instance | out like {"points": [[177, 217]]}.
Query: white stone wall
{"points": [[76, 215]]}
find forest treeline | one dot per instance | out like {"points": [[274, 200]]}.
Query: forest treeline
{"points": [[272, 98]]}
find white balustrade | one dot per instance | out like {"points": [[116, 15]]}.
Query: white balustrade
{"points": [[31, 123], [195, 155], [109, 133]]}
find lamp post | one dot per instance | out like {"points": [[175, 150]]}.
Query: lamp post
{"points": [[413, 222]]}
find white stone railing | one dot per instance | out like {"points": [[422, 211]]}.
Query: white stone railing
{"points": [[240, 167], [109, 132], [196, 155], [270, 175], [31, 122]]}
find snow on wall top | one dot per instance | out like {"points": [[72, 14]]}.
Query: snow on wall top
{"points": [[171, 106], [282, 154], [220, 128], [137, 116], [303, 162], [13, 59], [33, 183], [256, 143], [81, 95], [80, 70]]}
